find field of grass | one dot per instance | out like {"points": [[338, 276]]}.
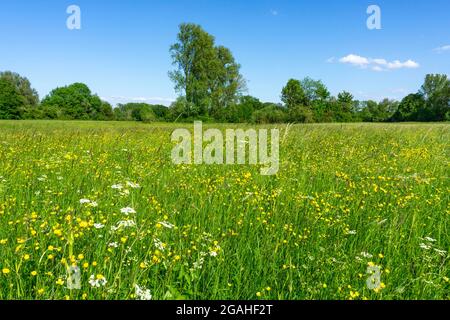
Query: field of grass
{"points": [[106, 198]]}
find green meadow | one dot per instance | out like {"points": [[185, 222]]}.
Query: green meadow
{"points": [[97, 210]]}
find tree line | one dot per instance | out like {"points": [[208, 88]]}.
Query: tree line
{"points": [[211, 88]]}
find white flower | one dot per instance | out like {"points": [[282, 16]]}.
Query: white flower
{"points": [[142, 293], [166, 224], [442, 253], [99, 226], [213, 254], [85, 201], [133, 185], [123, 224], [424, 246], [93, 204], [97, 281], [127, 211], [352, 232], [113, 245], [430, 239], [158, 244], [366, 255], [117, 186]]}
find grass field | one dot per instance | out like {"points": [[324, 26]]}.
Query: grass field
{"points": [[106, 198]]}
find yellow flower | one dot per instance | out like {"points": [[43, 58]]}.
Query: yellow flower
{"points": [[40, 291], [94, 264], [80, 257], [59, 282], [26, 257], [85, 265], [381, 256], [84, 224], [51, 248], [6, 271], [143, 265], [34, 273], [258, 294], [50, 257]]}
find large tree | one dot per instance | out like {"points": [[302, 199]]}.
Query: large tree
{"points": [[410, 107], [293, 94], [436, 92], [74, 102], [11, 101], [208, 76], [27, 103]]}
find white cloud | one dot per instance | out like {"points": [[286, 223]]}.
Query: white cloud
{"points": [[442, 49], [378, 64], [273, 12], [377, 68], [331, 60], [355, 60]]}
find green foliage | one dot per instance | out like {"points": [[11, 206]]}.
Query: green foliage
{"points": [[436, 91], [20, 102], [410, 108], [11, 101], [74, 102], [272, 113], [207, 76], [293, 94], [135, 112]]}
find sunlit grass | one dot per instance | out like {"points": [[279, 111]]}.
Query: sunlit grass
{"points": [[346, 197]]}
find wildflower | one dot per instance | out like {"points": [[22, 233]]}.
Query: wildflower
{"points": [[213, 254], [133, 185], [366, 255], [113, 245], [34, 273], [123, 224], [442, 253], [425, 246], [159, 245], [97, 281], [166, 225], [117, 187], [6, 271], [85, 201], [60, 282], [127, 211], [142, 293], [99, 226], [258, 294]]}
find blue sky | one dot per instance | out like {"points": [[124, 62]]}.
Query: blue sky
{"points": [[122, 49]]}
